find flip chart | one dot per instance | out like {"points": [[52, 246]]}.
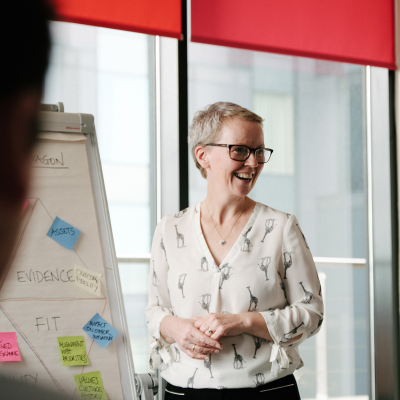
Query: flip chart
{"points": [[73, 350], [9, 350], [90, 386], [63, 233], [100, 330]]}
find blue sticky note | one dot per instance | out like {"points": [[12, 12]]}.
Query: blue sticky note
{"points": [[64, 233], [100, 330]]}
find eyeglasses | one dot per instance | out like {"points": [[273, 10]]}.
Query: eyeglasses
{"points": [[242, 153]]}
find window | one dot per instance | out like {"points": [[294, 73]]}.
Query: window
{"points": [[314, 120], [108, 73]]}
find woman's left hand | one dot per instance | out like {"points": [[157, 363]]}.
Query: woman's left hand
{"points": [[220, 324], [252, 323]]}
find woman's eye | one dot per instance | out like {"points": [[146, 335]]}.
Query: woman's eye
{"points": [[240, 150]]}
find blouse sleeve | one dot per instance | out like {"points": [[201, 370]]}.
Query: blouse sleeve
{"points": [[159, 304], [304, 313]]}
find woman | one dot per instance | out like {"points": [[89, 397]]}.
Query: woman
{"points": [[234, 289]]}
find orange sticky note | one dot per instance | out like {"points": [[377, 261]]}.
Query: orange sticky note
{"points": [[9, 350]]}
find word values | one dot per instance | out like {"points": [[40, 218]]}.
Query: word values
{"points": [[90, 386]]}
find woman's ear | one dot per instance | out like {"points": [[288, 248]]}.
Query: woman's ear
{"points": [[201, 156]]}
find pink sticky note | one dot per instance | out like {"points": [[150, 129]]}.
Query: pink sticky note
{"points": [[9, 350], [24, 206]]}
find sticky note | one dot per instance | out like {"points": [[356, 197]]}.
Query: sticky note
{"points": [[100, 330], [9, 350], [73, 350], [63, 233], [24, 205], [87, 280], [90, 386]]}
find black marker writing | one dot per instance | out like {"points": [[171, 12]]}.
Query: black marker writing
{"points": [[62, 231], [28, 378], [48, 327], [46, 276], [6, 350], [45, 160]]}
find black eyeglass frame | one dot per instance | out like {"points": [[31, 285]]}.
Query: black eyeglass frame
{"points": [[252, 150]]}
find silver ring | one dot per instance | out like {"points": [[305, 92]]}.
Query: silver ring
{"points": [[210, 331]]}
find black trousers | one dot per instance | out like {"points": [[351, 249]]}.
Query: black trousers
{"points": [[281, 389]]}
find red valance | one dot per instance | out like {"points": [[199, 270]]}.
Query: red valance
{"points": [[153, 17], [354, 31]]}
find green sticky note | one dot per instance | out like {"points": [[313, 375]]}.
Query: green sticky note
{"points": [[73, 350], [90, 386]]}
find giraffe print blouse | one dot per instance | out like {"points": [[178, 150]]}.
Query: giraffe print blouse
{"points": [[269, 270]]}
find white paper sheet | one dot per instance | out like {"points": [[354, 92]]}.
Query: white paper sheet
{"points": [[38, 297]]}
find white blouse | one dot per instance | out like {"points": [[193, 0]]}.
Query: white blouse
{"points": [[269, 270]]}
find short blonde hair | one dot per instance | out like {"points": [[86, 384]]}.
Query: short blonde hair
{"points": [[207, 123]]}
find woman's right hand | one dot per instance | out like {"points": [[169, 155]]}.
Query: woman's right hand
{"points": [[186, 335]]}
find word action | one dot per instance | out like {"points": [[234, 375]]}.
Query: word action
{"points": [[87, 280], [63, 233], [73, 350], [100, 330], [9, 350], [90, 386]]}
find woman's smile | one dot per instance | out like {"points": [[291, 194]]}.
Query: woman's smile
{"points": [[244, 176]]}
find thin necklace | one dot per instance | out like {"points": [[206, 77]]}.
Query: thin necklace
{"points": [[222, 242]]}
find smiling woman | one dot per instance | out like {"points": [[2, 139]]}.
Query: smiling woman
{"points": [[224, 294]]}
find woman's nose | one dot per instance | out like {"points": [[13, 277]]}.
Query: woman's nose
{"points": [[251, 161]]}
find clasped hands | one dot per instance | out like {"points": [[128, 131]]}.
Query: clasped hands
{"points": [[199, 337]]}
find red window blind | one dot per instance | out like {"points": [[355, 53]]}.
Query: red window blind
{"points": [[154, 17], [354, 31]]}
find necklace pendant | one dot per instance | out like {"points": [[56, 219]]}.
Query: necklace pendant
{"points": [[222, 242]]}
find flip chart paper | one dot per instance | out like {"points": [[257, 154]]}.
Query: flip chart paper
{"points": [[73, 350], [63, 233], [90, 386], [100, 330], [9, 350], [87, 280]]}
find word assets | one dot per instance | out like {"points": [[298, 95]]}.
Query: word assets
{"points": [[63, 233]]}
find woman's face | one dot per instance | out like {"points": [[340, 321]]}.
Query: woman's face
{"points": [[235, 177]]}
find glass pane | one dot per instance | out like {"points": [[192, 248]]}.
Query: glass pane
{"points": [[107, 73], [314, 122], [134, 281], [314, 115], [337, 360]]}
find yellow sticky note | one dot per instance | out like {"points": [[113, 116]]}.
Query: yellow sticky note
{"points": [[90, 386], [73, 350], [87, 280]]}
